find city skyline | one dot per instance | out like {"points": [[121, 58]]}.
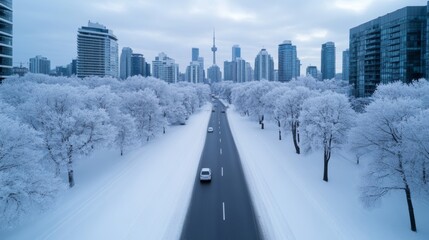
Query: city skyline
{"points": [[307, 24]]}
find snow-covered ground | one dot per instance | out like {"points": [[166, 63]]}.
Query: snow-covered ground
{"points": [[142, 195], [292, 201]]}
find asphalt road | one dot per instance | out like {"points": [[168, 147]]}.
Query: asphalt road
{"points": [[222, 208]]}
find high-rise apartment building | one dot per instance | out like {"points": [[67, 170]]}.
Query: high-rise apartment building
{"points": [[40, 65], [312, 71], [228, 70], [165, 68], [264, 66], [346, 65], [236, 52], [6, 32], [328, 60], [125, 68], [195, 54], [97, 51], [193, 72], [289, 64], [249, 72], [390, 48], [138, 65]]}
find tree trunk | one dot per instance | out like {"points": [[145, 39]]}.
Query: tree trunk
{"points": [[295, 139], [280, 130], [410, 208], [70, 166], [425, 179], [326, 157], [163, 129]]}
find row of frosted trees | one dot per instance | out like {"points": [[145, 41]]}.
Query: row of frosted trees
{"points": [[46, 123], [391, 129]]}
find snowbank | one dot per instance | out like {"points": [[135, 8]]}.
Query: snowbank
{"points": [[143, 195], [292, 201]]}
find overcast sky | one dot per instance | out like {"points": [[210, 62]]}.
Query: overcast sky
{"points": [[49, 27]]}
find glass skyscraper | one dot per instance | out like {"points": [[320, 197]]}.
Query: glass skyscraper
{"points": [[389, 48], [328, 60], [125, 70], [264, 66], [6, 32], [236, 52], [97, 51], [289, 64], [346, 66]]}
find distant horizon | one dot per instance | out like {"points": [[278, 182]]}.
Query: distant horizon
{"points": [[175, 28]]}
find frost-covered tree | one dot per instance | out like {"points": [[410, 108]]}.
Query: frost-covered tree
{"points": [[324, 123], [269, 101], [126, 131], [143, 106], [289, 105], [25, 186], [248, 98], [385, 131], [68, 129]]}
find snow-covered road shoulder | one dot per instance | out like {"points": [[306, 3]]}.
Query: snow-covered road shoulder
{"points": [[292, 201], [143, 195]]}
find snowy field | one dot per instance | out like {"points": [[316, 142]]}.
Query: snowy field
{"points": [[292, 201], [143, 195]]}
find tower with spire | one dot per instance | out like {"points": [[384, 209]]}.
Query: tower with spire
{"points": [[214, 48], [214, 74]]}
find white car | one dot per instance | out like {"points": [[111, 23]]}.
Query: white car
{"points": [[210, 129], [205, 174]]}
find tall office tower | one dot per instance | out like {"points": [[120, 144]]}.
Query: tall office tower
{"points": [[389, 48], [6, 31], [312, 71], [165, 68], [289, 64], [125, 68], [202, 73], [97, 51], [138, 65], [249, 72], [213, 72], [193, 72], [346, 64], [236, 52], [328, 60], [40, 64], [239, 70], [228, 68], [147, 70], [195, 54], [264, 66]]}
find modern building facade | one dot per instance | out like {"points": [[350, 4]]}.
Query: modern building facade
{"points": [[236, 52], [165, 68], [40, 65], [390, 48], [97, 51], [328, 60], [193, 72], [264, 66], [6, 35], [195, 54], [289, 64], [312, 71], [125, 67], [346, 65], [228, 70], [138, 65]]}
